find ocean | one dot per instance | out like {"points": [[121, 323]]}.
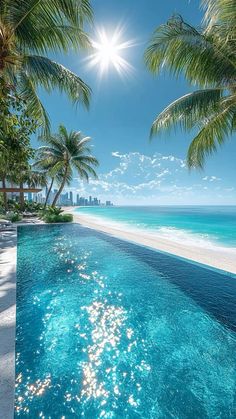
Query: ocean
{"points": [[204, 226]]}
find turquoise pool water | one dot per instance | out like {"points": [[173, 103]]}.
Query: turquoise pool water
{"points": [[109, 329], [205, 225]]}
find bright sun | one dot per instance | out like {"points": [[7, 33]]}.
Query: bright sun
{"points": [[107, 52]]}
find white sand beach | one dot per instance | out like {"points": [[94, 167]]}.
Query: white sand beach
{"points": [[218, 257]]}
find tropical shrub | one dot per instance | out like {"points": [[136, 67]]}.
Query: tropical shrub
{"points": [[60, 218], [50, 210], [13, 217], [55, 215], [33, 206]]}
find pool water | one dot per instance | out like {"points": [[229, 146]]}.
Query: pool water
{"points": [[109, 329]]}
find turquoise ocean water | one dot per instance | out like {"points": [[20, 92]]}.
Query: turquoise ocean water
{"points": [[203, 225]]}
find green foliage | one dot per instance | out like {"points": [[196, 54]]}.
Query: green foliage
{"points": [[60, 218], [50, 210], [207, 58], [16, 125], [65, 152], [12, 216], [28, 30], [14, 207], [15, 217], [33, 207]]}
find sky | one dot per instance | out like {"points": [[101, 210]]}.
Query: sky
{"points": [[132, 169]]}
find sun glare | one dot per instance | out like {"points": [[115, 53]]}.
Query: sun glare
{"points": [[108, 52]]}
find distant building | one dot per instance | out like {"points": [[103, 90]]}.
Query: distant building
{"points": [[65, 199], [81, 202], [71, 197]]}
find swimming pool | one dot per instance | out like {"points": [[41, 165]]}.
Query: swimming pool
{"points": [[109, 329]]}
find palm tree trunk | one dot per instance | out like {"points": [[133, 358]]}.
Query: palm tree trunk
{"points": [[22, 198], [4, 194], [48, 193], [60, 189]]}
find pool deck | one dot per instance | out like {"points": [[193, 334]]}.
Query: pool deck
{"points": [[8, 242]]}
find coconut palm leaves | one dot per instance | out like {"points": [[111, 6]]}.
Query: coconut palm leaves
{"points": [[207, 58], [67, 152], [28, 30]]}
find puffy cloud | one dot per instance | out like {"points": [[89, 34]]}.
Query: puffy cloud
{"points": [[211, 178], [139, 178]]}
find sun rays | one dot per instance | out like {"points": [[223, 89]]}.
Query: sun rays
{"points": [[107, 52]]}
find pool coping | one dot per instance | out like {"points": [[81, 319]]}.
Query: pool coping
{"points": [[8, 262], [8, 250]]}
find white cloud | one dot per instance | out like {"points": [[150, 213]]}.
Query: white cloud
{"points": [[212, 178], [139, 178]]}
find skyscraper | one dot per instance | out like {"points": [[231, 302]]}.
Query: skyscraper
{"points": [[71, 197]]}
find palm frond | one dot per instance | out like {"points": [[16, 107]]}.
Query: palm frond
{"points": [[188, 110], [183, 49], [62, 132], [86, 159], [72, 11], [55, 38], [219, 12], [52, 75], [82, 173], [213, 133], [57, 168], [50, 152], [34, 106], [85, 167]]}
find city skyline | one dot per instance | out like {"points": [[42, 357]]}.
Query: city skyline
{"points": [[67, 199]]}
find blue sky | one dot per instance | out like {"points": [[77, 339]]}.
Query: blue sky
{"points": [[133, 170]]}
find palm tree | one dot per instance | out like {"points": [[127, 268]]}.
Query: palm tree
{"points": [[46, 166], [65, 152], [28, 30], [207, 58]]}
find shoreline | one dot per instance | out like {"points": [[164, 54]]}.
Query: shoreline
{"points": [[218, 258]]}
